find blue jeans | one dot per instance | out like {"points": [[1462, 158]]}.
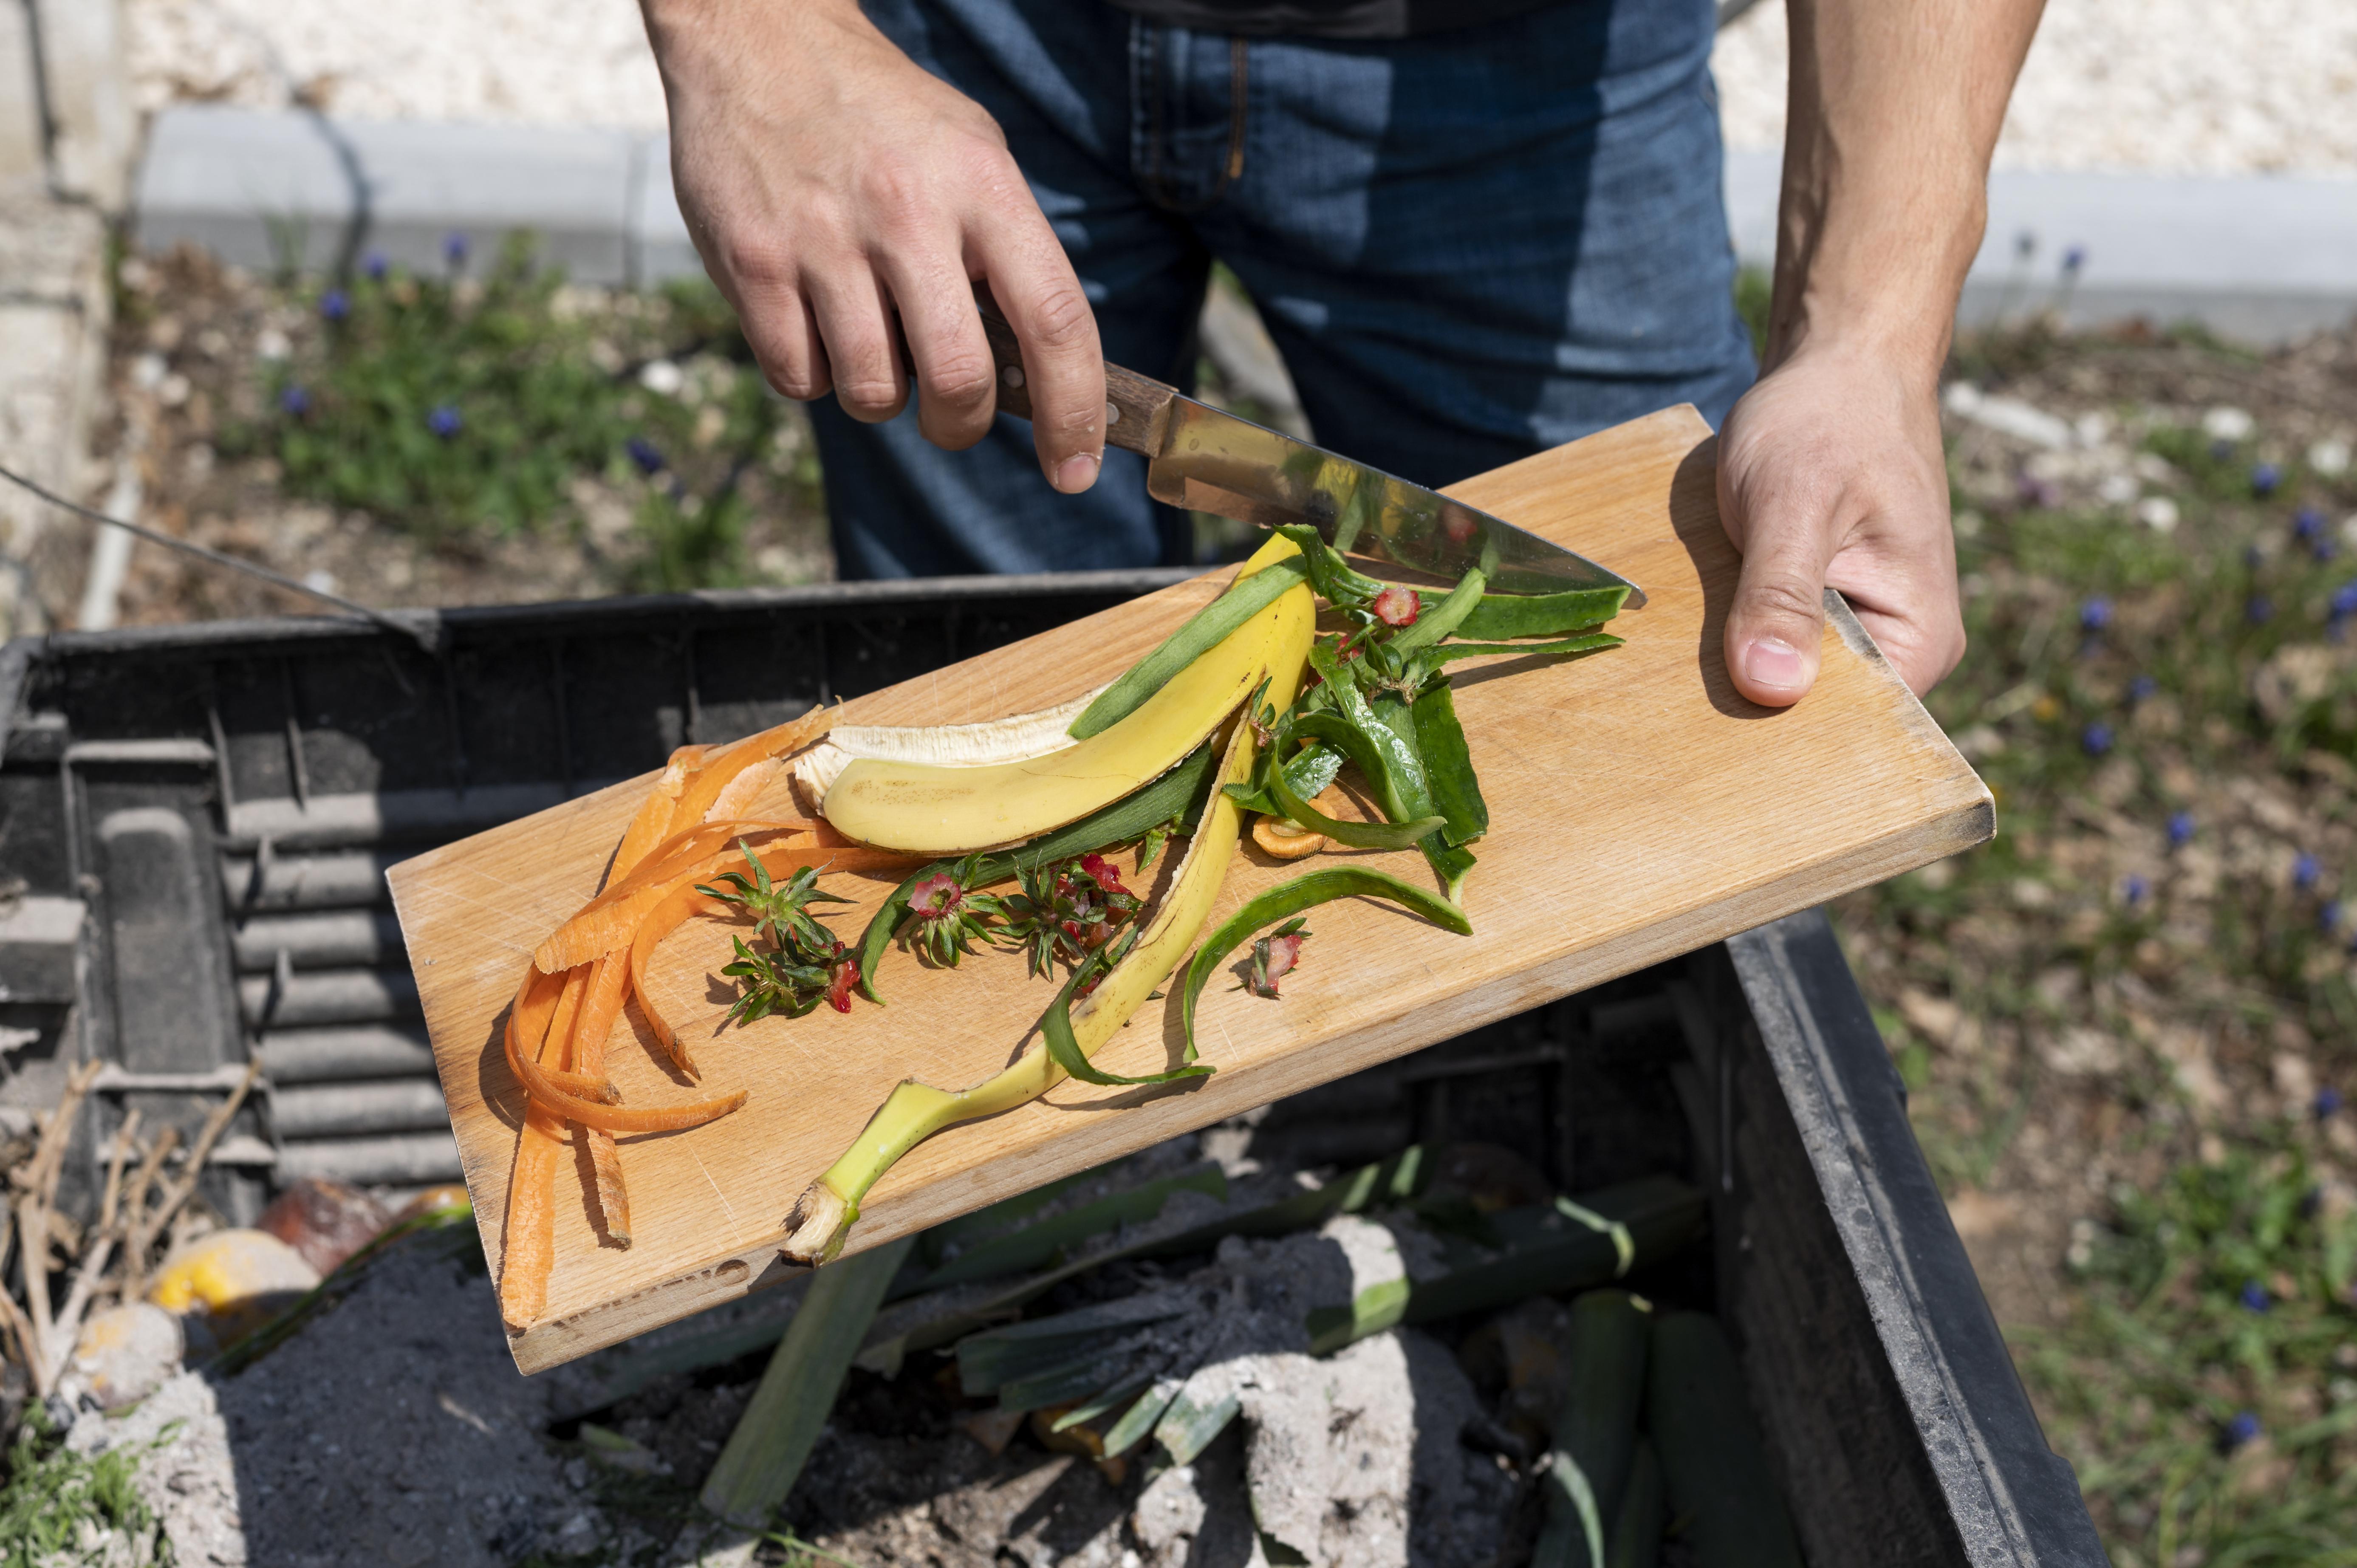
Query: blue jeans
{"points": [[1468, 247]]}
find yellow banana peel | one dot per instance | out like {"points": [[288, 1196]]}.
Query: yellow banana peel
{"points": [[930, 809]]}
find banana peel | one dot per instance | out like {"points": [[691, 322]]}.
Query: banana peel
{"points": [[937, 809]]}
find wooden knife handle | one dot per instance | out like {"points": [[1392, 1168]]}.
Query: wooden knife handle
{"points": [[1137, 410]]}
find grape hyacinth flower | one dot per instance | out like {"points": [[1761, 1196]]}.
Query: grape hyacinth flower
{"points": [[335, 304], [2264, 477], [2255, 1297], [2136, 890], [2307, 522], [444, 421], [454, 249], [2259, 609], [295, 402], [2244, 1428], [645, 453], [2095, 614], [375, 266], [2096, 737], [2327, 918], [2074, 258], [2327, 1103], [2304, 872], [2344, 601], [2142, 689], [2181, 829]]}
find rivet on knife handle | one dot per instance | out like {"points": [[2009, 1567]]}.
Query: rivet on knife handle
{"points": [[1137, 410]]}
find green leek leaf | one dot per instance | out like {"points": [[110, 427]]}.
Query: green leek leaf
{"points": [[1204, 631], [1448, 765], [1290, 899], [1500, 615]]}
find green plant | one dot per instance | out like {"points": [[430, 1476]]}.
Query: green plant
{"points": [[2206, 1373], [55, 1497], [468, 410]]}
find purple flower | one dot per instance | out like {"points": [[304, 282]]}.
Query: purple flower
{"points": [[375, 266], [294, 400], [2181, 829], [2305, 871], [2328, 1101], [2307, 522], [2142, 688], [2327, 918], [2259, 609], [444, 421], [2095, 614], [2344, 600], [2244, 1428], [454, 249], [2074, 258], [645, 453], [2264, 477], [2255, 1297], [2096, 737], [335, 304], [2136, 890]]}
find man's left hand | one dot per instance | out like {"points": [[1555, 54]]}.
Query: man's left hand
{"points": [[1831, 475]]}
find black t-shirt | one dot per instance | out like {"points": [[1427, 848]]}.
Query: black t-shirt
{"points": [[1328, 18]]}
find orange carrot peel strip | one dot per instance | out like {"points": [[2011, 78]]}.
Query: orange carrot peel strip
{"points": [[653, 824], [599, 1010], [719, 770], [667, 917], [604, 923], [546, 1096], [528, 1239]]}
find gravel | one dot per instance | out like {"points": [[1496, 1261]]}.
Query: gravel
{"points": [[2211, 87], [2159, 86]]}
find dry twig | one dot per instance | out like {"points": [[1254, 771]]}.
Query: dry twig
{"points": [[37, 1191]]}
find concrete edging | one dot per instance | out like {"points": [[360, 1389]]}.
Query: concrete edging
{"points": [[2262, 259]]}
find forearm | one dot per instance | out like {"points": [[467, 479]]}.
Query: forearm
{"points": [[1895, 107]]}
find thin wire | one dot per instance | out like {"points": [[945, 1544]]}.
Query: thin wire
{"points": [[423, 636]]}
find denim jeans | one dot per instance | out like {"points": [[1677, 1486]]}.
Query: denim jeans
{"points": [[1469, 246]]}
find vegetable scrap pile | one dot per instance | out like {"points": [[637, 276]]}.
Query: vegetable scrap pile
{"points": [[1248, 708]]}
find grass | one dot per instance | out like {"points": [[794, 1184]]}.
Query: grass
{"points": [[2124, 1018], [59, 1505], [460, 408]]}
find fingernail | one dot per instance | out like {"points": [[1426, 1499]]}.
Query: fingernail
{"points": [[1077, 474], [1772, 663]]}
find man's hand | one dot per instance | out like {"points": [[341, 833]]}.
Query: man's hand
{"points": [[1830, 469], [846, 200], [1831, 475]]}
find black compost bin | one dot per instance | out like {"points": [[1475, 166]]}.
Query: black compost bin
{"points": [[195, 823]]}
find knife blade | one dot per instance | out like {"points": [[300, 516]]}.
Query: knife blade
{"points": [[1206, 460]]}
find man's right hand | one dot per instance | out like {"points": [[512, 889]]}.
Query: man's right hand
{"points": [[831, 186]]}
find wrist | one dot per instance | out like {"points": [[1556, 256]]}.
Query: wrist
{"points": [[689, 37]]}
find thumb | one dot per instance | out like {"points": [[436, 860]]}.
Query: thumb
{"points": [[1776, 627]]}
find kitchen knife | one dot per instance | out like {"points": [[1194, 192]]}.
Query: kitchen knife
{"points": [[1207, 459]]}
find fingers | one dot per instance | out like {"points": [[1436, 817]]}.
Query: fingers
{"points": [[863, 347], [1775, 629], [955, 394], [1035, 286]]}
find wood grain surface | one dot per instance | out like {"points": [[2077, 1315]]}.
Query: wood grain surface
{"points": [[1640, 809]]}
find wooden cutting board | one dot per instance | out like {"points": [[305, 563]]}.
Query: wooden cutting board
{"points": [[1640, 809]]}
